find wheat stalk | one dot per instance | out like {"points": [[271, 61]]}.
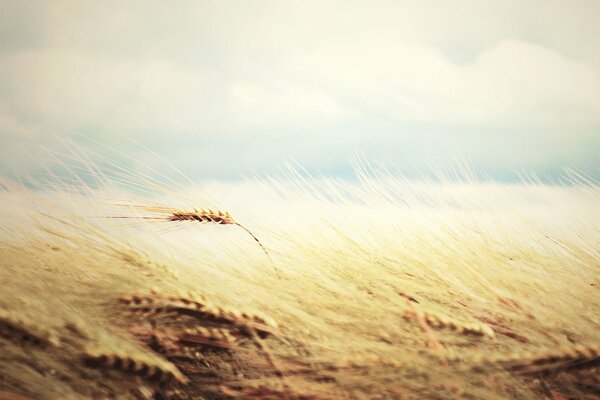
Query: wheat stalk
{"points": [[198, 307], [201, 215], [444, 322], [206, 215], [21, 329], [215, 337], [161, 371], [172, 339], [578, 357]]}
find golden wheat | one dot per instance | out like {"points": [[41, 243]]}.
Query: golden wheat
{"points": [[339, 329], [444, 322], [197, 306], [214, 337], [201, 215], [265, 393], [20, 329], [578, 357], [154, 371]]}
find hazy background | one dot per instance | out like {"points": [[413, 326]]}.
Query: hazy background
{"points": [[225, 88]]}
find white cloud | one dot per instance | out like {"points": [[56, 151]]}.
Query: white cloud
{"points": [[283, 104], [507, 84], [258, 70]]}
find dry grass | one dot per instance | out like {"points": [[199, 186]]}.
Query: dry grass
{"points": [[386, 289]]}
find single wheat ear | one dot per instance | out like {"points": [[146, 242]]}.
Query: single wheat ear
{"points": [[208, 216], [570, 358], [201, 215], [14, 327], [155, 370]]}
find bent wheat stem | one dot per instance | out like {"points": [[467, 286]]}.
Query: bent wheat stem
{"points": [[202, 215]]}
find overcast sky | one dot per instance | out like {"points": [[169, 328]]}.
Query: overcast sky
{"points": [[231, 88]]}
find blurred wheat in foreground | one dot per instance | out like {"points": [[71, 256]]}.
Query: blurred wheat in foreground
{"points": [[385, 289]]}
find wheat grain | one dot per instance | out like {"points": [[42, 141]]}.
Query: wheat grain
{"points": [[198, 307], [161, 372], [214, 337], [201, 215], [443, 322], [577, 357], [18, 328]]}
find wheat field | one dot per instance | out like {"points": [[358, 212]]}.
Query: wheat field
{"points": [[132, 286]]}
